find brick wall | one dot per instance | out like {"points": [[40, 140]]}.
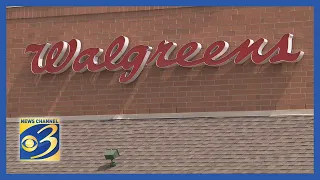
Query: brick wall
{"points": [[230, 87]]}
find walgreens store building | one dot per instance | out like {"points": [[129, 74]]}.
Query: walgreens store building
{"points": [[174, 89]]}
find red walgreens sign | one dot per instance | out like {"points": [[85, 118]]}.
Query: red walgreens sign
{"points": [[62, 55]]}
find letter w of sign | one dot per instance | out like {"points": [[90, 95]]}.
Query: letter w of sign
{"points": [[53, 141]]}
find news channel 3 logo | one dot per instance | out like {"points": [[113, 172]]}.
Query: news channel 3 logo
{"points": [[39, 139]]}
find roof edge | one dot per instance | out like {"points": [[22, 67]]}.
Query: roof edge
{"points": [[29, 12], [223, 114], [7, 7]]}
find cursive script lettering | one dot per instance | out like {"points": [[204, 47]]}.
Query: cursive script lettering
{"points": [[59, 57]]}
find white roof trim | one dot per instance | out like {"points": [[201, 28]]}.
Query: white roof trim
{"points": [[224, 114], [13, 6]]}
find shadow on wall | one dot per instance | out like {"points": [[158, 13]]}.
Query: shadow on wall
{"points": [[104, 167], [228, 88]]}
